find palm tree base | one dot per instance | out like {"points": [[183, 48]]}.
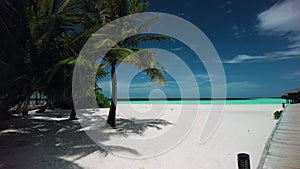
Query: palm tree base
{"points": [[73, 118], [73, 114], [111, 119], [112, 124]]}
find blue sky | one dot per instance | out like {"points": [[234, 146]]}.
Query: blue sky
{"points": [[258, 43]]}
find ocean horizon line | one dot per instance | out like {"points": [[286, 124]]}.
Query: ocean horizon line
{"points": [[272, 100], [207, 98]]}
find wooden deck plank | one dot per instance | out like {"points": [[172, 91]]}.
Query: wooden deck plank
{"points": [[283, 147]]}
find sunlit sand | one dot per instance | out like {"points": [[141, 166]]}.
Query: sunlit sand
{"points": [[49, 140]]}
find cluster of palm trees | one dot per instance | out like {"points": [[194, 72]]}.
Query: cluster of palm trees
{"points": [[40, 43]]}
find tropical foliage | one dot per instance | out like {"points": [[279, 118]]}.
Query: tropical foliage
{"points": [[38, 36], [126, 50], [41, 43], [277, 114], [102, 101]]}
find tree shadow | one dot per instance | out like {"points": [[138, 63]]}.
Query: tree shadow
{"points": [[43, 141], [101, 132], [50, 140], [139, 126]]}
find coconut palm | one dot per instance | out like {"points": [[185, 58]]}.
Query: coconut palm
{"points": [[146, 62], [53, 25], [125, 50]]}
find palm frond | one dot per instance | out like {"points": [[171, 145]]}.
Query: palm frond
{"points": [[147, 23], [155, 75], [144, 39], [137, 6], [144, 60], [100, 74], [118, 54], [14, 81]]}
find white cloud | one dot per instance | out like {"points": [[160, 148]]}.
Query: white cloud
{"points": [[241, 85], [244, 58], [238, 86], [294, 75], [238, 31], [229, 11], [295, 40], [282, 17], [271, 56], [142, 85], [177, 49], [184, 89], [237, 89], [181, 14], [202, 76]]}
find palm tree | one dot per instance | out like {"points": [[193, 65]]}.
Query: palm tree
{"points": [[124, 51], [53, 25], [37, 35], [146, 62], [59, 76]]}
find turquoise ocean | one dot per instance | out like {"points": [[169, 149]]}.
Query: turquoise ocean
{"points": [[235, 101]]}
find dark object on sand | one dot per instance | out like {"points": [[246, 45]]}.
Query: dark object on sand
{"points": [[277, 114], [243, 161]]}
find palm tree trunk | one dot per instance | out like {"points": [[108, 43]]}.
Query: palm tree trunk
{"points": [[111, 120], [22, 107], [73, 113], [8, 102], [43, 108], [23, 111]]}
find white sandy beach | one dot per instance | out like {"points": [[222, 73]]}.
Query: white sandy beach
{"points": [[50, 141]]}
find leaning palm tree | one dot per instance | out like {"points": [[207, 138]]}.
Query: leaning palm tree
{"points": [[126, 50], [145, 61]]}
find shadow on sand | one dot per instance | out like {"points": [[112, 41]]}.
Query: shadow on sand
{"points": [[139, 126], [50, 140]]}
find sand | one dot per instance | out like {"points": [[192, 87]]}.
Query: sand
{"points": [[145, 139]]}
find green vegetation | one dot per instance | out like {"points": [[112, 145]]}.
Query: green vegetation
{"points": [[277, 114], [102, 101], [124, 50], [41, 40]]}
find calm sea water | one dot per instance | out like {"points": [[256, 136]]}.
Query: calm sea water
{"points": [[244, 101]]}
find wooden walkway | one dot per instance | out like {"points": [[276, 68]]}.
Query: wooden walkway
{"points": [[283, 148]]}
